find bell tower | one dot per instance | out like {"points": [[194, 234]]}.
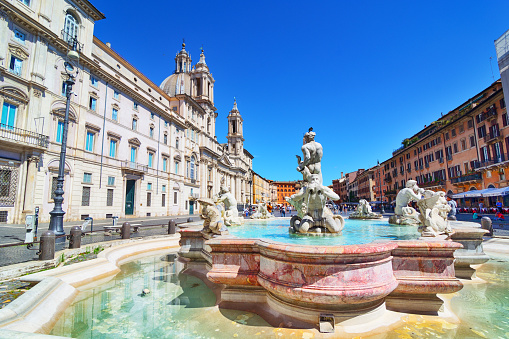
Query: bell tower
{"points": [[235, 131]]}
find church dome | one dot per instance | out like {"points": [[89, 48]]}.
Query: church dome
{"points": [[177, 83]]}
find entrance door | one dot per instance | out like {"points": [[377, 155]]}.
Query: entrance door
{"points": [[129, 197], [191, 207]]}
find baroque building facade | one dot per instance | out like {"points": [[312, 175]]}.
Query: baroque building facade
{"points": [[133, 148]]}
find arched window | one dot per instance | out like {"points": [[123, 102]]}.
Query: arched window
{"points": [[71, 27], [192, 167]]}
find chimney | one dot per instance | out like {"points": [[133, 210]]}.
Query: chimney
{"points": [[341, 174]]}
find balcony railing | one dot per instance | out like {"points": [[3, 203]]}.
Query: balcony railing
{"points": [[21, 135], [134, 166], [467, 177], [492, 136], [496, 160], [432, 183]]}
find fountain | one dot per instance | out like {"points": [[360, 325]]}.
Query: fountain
{"points": [[327, 284], [363, 211], [347, 284]]}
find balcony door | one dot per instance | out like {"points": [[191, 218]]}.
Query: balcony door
{"points": [[8, 115]]}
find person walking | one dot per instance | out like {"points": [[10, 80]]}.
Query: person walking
{"points": [[282, 210]]}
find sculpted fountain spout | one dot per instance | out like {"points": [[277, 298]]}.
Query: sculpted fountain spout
{"points": [[312, 214], [230, 213], [364, 211]]}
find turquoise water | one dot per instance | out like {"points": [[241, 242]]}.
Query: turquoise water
{"points": [[354, 232], [182, 306]]}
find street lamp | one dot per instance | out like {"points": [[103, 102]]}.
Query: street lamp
{"points": [[382, 211], [56, 222]]}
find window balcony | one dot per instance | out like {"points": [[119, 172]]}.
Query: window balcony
{"points": [[467, 178], [433, 183], [18, 135], [492, 136], [134, 167]]}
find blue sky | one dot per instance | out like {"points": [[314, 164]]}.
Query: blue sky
{"points": [[364, 74]]}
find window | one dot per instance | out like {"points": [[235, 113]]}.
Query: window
{"points": [[15, 65], [176, 167], [472, 141], [166, 124], [114, 114], [463, 144], [135, 106], [133, 154], [89, 145], [19, 36], [92, 103], [177, 143], [149, 199], [152, 115], [71, 27], [26, 2], [116, 95], [447, 136], [163, 200], [8, 115], [134, 124], [60, 131], [165, 138], [113, 148], [163, 189], [453, 132], [85, 196], [109, 197], [87, 177], [192, 167], [470, 124], [149, 186], [175, 197], [150, 159], [151, 132], [94, 81], [111, 181], [461, 128], [165, 164]]}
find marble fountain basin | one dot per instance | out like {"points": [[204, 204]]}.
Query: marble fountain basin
{"points": [[305, 282]]}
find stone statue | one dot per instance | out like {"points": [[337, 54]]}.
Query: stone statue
{"points": [[434, 208], [312, 214], [452, 213], [363, 211], [404, 214], [230, 213], [212, 217], [261, 212], [313, 153]]}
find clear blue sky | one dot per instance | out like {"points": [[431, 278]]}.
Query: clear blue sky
{"points": [[364, 74]]}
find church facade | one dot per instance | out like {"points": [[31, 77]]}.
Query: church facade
{"points": [[134, 148]]}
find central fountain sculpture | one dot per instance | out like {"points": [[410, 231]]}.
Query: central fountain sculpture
{"points": [[261, 212], [313, 217], [230, 213]]}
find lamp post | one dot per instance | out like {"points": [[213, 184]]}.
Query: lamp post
{"points": [[56, 223], [382, 211]]}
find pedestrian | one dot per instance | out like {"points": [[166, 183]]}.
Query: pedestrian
{"points": [[499, 206], [283, 214]]}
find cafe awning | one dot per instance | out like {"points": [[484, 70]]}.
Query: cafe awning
{"points": [[495, 192]]}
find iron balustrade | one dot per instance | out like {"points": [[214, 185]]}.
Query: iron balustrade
{"points": [[467, 177], [134, 166], [491, 136], [21, 135], [432, 183]]}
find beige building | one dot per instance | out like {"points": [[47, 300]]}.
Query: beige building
{"points": [[262, 189], [134, 148]]}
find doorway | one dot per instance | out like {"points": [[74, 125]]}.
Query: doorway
{"points": [[129, 197]]}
